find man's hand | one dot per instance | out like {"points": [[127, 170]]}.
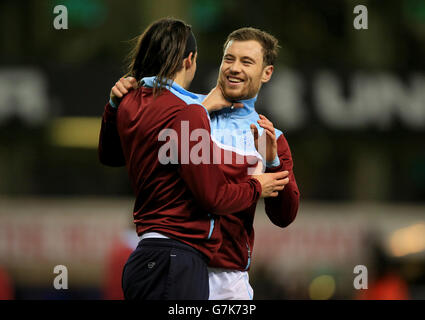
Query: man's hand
{"points": [[121, 88], [272, 183], [265, 144], [215, 101]]}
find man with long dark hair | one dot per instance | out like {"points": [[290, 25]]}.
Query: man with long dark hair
{"points": [[179, 200]]}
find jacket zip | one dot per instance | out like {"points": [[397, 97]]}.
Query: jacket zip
{"points": [[212, 222], [249, 256]]}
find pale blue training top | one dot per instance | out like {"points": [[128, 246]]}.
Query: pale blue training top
{"points": [[230, 128]]}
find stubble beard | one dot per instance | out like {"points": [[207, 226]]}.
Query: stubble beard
{"points": [[233, 97]]}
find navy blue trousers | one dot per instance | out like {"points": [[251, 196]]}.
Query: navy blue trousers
{"points": [[165, 269]]}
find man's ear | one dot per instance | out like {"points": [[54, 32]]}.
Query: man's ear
{"points": [[188, 61], [267, 74]]}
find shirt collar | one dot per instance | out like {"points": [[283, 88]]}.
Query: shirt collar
{"points": [[248, 104], [248, 107], [150, 82]]}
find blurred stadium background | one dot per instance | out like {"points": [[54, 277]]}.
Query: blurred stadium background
{"points": [[350, 102]]}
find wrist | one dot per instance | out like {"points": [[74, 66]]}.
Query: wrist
{"points": [[274, 163], [207, 106], [113, 103], [258, 187]]}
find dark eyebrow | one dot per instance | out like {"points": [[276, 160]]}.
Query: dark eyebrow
{"points": [[228, 55], [248, 58]]}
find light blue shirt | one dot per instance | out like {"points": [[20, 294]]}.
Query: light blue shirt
{"points": [[230, 128], [238, 122]]}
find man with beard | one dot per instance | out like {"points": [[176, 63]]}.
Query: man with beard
{"points": [[248, 63]]}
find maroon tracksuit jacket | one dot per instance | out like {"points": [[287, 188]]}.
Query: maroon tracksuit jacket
{"points": [[183, 201], [237, 229]]}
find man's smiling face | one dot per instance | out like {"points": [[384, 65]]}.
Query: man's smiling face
{"points": [[242, 70]]}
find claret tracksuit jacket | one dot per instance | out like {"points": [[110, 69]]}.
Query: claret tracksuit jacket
{"points": [[209, 206]]}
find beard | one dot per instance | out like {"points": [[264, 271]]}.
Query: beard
{"points": [[247, 92]]}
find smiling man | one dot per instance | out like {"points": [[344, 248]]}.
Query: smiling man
{"points": [[248, 62], [243, 69]]}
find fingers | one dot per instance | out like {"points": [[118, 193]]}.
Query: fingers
{"points": [[121, 88], [279, 185], [280, 188], [271, 136], [238, 105], [123, 85], [218, 87], [217, 90], [215, 100], [116, 92], [132, 82], [269, 131], [129, 83], [280, 174], [281, 182], [273, 183], [267, 125], [263, 118]]}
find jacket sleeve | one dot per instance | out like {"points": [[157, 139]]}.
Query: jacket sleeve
{"points": [[109, 149], [283, 209], [206, 181]]}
